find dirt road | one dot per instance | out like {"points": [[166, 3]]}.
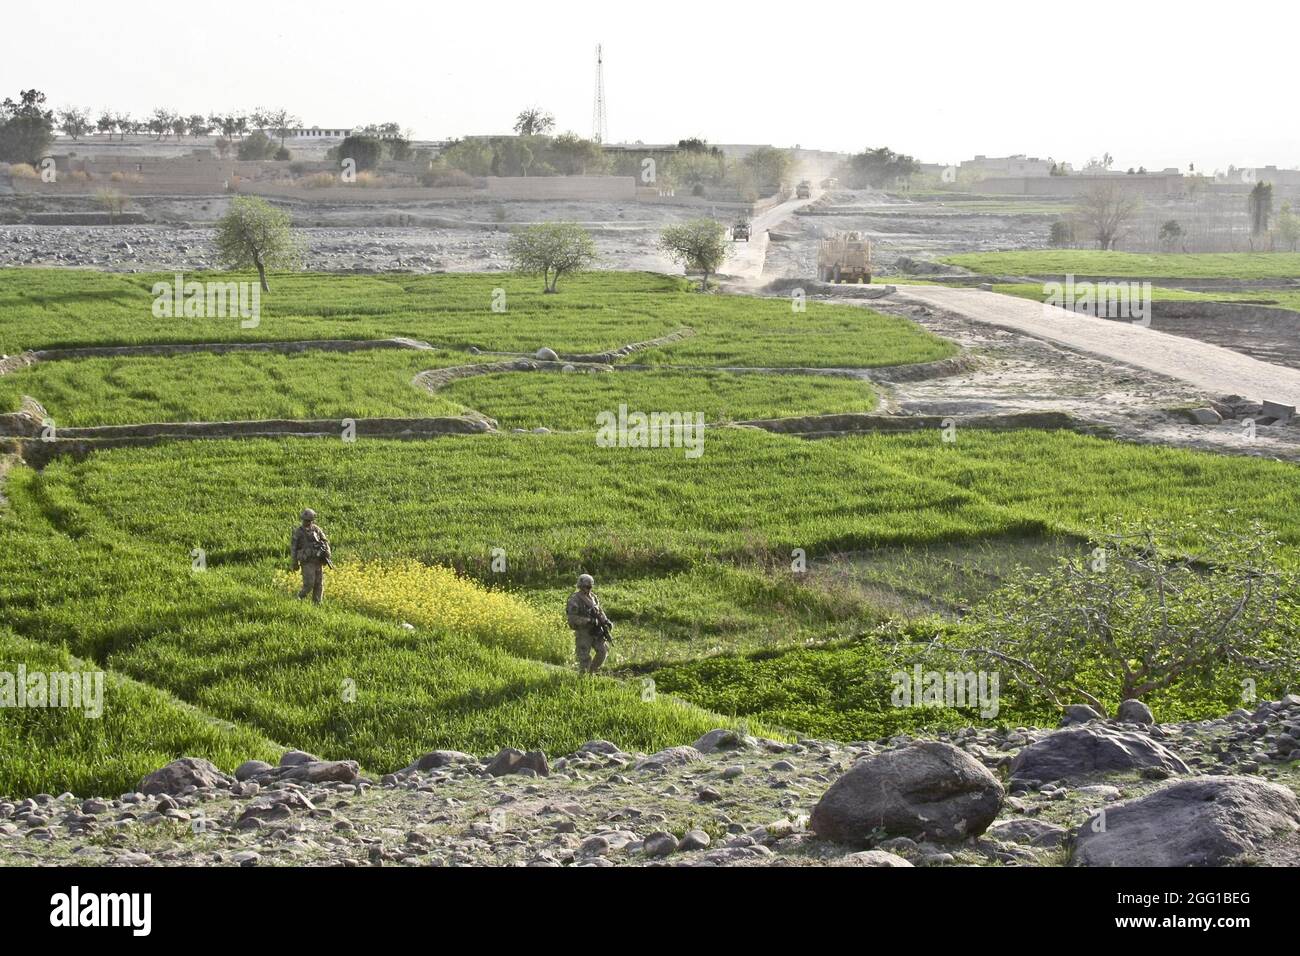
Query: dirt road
{"points": [[1216, 370]]}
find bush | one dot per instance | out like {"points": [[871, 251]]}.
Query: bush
{"points": [[318, 181], [1139, 617], [365, 151], [22, 171], [282, 154], [442, 177], [256, 147]]}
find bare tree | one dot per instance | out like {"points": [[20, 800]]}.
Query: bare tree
{"points": [[1106, 209]]}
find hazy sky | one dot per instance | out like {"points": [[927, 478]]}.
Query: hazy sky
{"points": [[1155, 85]]}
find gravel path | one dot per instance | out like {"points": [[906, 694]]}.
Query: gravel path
{"points": [[1217, 370]]}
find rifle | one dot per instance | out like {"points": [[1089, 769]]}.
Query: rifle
{"points": [[604, 629]]}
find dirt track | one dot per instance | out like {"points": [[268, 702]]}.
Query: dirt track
{"points": [[1215, 370]]}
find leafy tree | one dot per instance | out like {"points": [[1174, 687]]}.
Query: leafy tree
{"points": [[198, 125], [280, 122], [106, 123], [697, 145], [771, 167], [1261, 207], [1170, 233], [1062, 233], [256, 146], [364, 150], [254, 233], [160, 123], [74, 121], [697, 244], [1288, 226], [471, 156], [534, 122], [551, 249], [26, 128], [878, 168], [1139, 616], [695, 169], [575, 156]]}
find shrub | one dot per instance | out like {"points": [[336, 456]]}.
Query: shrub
{"points": [[1139, 617], [22, 171], [439, 177]]}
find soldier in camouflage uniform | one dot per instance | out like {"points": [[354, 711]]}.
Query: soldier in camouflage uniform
{"points": [[310, 550], [584, 613]]}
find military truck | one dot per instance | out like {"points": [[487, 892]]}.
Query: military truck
{"points": [[804, 190], [846, 257], [740, 230]]}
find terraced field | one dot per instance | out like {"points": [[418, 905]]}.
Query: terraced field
{"points": [[165, 563]]}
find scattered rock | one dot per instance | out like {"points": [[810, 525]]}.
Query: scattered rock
{"points": [[694, 840], [1028, 832], [872, 858], [659, 843], [546, 355]]}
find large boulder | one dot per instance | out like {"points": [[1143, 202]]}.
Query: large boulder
{"points": [[723, 739], [1134, 711], [436, 759], [184, 772], [294, 758], [671, 757], [1206, 821], [930, 790], [323, 771], [510, 760], [1080, 714], [1079, 752], [252, 768]]}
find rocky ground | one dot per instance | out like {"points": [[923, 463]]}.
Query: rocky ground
{"points": [[1094, 792]]}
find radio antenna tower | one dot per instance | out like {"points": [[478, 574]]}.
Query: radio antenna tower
{"points": [[599, 125]]}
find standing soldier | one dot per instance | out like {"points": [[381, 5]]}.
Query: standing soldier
{"points": [[310, 550], [590, 626]]}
